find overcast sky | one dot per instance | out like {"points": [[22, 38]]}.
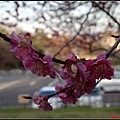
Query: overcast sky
{"points": [[29, 26]]}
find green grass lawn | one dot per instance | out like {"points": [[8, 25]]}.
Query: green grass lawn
{"points": [[69, 112]]}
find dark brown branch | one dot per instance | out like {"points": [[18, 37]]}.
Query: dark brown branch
{"points": [[51, 95], [27, 97], [62, 90], [99, 81], [112, 48], [63, 62], [7, 39], [114, 36]]}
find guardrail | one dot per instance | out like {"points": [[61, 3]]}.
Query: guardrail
{"points": [[111, 99]]}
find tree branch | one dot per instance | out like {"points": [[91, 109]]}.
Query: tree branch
{"points": [[7, 39], [62, 62], [107, 13], [112, 48], [75, 34]]}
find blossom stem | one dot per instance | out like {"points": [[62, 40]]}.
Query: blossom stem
{"points": [[27, 97], [51, 95], [113, 47], [62, 90]]}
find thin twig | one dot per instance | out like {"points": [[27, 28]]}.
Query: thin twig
{"points": [[107, 13], [27, 97], [114, 36], [74, 35], [51, 95], [99, 81], [112, 48]]}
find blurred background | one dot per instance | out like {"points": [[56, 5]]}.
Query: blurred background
{"points": [[57, 28]]}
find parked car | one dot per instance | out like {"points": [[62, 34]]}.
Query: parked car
{"points": [[55, 101], [112, 85]]}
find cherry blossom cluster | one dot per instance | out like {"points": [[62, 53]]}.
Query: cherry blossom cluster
{"points": [[80, 75]]}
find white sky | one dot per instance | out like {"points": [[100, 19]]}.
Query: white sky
{"points": [[27, 26], [30, 26]]}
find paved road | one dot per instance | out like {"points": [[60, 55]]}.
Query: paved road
{"points": [[13, 85], [16, 82]]}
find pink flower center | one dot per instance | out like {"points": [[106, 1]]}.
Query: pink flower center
{"points": [[23, 43], [74, 68]]}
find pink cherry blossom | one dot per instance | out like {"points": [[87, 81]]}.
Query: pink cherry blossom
{"points": [[78, 76], [39, 66], [21, 45], [67, 96], [75, 91], [100, 68], [42, 101], [74, 71]]}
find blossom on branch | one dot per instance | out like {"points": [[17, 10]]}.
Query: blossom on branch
{"points": [[42, 101], [80, 75], [77, 77], [39, 66], [67, 96], [100, 68], [21, 45], [74, 71]]}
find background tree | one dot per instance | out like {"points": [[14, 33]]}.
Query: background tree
{"points": [[82, 26]]}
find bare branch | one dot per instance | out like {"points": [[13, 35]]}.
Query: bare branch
{"points": [[107, 13], [75, 34], [112, 48]]}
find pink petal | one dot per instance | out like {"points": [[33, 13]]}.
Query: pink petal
{"points": [[81, 66], [28, 64], [101, 56]]}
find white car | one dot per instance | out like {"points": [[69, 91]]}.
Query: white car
{"points": [[54, 101], [112, 85]]}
